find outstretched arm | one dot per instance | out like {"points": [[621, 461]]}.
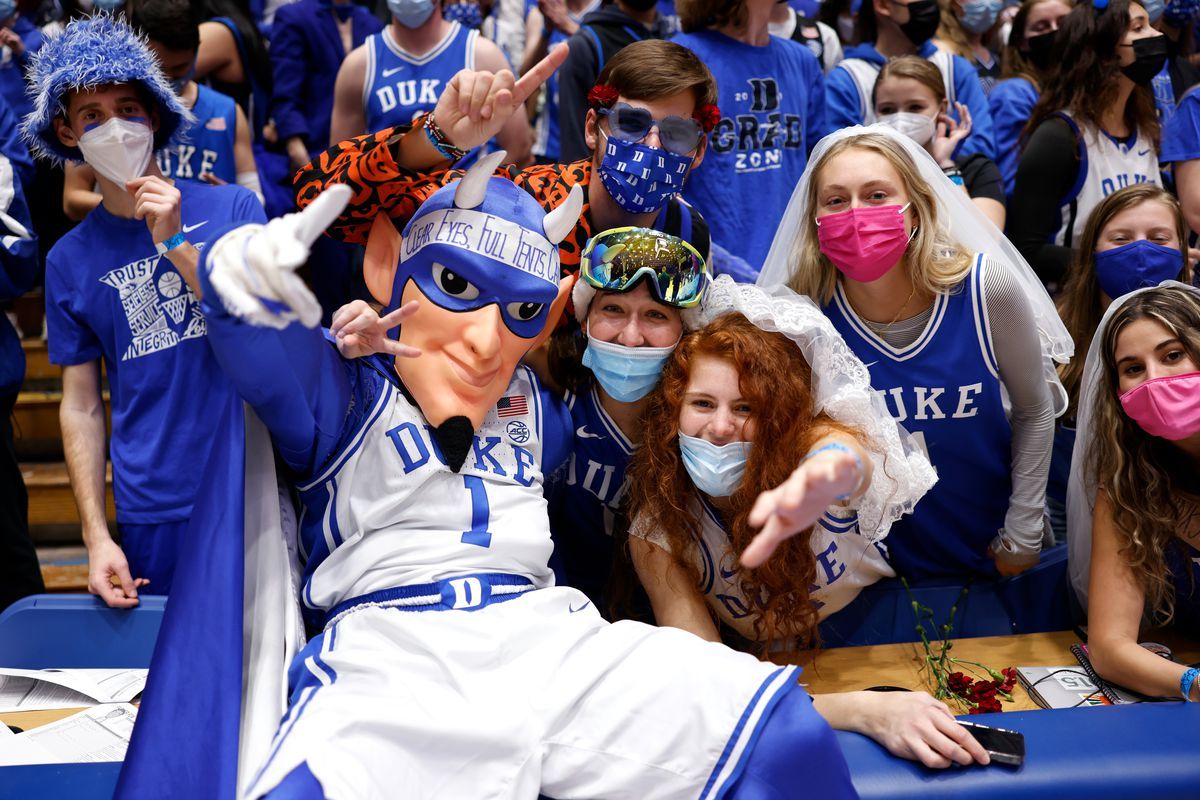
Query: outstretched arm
{"points": [[262, 326], [836, 468]]}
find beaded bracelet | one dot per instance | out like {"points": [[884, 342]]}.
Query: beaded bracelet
{"points": [[437, 137], [1185, 682], [838, 446]]}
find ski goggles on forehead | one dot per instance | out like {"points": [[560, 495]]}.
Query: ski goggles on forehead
{"points": [[616, 259], [677, 134]]}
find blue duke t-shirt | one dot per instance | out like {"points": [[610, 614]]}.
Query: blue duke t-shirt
{"points": [[772, 102], [110, 295]]}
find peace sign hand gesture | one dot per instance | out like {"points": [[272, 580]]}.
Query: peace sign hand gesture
{"points": [[475, 104], [253, 268]]}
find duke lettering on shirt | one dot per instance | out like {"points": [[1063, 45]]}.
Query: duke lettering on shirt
{"points": [[932, 402], [181, 161], [415, 445], [408, 93]]}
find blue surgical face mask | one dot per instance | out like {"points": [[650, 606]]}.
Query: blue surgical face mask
{"points": [[1135, 266], [979, 16], [626, 373], [411, 13], [108, 5], [639, 177], [715, 469], [1154, 9], [7, 8]]}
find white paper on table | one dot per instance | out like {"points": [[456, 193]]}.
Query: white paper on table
{"points": [[95, 734], [47, 689]]}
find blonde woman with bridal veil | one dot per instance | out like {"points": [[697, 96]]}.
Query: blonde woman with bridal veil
{"points": [[948, 318]]}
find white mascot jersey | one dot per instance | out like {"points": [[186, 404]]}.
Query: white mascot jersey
{"points": [[410, 519]]}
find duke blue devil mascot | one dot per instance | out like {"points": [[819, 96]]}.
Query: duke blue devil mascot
{"points": [[447, 664]]}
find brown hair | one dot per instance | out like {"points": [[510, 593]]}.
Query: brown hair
{"points": [[1150, 482], [1086, 81], [1079, 304], [696, 15], [652, 69], [935, 261], [776, 381], [921, 70], [1013, 63]]}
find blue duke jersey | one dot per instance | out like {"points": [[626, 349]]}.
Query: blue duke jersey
{"points": [[772, 102], [944, 388], [587, 494], [208, 149], [1105, 165], [400, 85], [410, 519]]}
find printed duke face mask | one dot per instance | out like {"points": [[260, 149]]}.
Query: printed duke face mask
{"points": [[639, 177]]}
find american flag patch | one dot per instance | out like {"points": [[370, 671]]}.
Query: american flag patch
{"points": [[216, 124], [512, 405]]}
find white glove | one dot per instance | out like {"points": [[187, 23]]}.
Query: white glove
{"points": [[253, 268]]}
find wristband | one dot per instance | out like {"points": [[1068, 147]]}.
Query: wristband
{"points": [[437, 138], [844, 449], [954, 174], [170, 244], [1185, 683]]}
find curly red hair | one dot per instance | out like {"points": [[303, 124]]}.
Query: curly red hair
{"points": [[775, 379]]}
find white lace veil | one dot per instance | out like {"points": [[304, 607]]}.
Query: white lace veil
{"points": [[1081, 488], [841, 388], [958, 216]]}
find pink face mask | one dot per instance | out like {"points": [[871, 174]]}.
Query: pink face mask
{"points": [[1166, 407], [864, 243]]}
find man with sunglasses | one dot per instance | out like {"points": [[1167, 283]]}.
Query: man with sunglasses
{"points": [[650, 112]]}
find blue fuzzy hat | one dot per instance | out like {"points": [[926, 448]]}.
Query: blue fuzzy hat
{"points": [[90, 53]]}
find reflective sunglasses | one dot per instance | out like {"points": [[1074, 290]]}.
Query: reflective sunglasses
{"points": [[616, 259], [678, 135]]}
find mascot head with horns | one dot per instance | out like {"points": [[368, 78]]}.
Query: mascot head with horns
{"points": [[481, 258]]}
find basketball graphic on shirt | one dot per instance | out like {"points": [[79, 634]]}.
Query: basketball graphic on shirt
{"points": [[170, 284]]}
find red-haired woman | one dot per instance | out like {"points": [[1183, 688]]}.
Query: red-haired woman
{"points": [[723, 433]]}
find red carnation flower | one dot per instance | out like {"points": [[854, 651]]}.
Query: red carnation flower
{"points": [[708, 116], [602, 96], [958, 683]]}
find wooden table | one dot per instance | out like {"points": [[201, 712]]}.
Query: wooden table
{"points": [[848, 669], [27, 720]]}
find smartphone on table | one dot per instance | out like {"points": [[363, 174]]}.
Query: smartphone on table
{"points": [[1003, 745]]}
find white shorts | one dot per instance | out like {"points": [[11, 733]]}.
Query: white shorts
{"points": [[533, 694]]}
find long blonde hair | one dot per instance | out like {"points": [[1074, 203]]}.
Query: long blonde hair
{"points": [[1152, 486], [936, 262]]}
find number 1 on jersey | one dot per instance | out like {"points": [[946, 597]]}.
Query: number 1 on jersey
{"points": [[479, 513]]}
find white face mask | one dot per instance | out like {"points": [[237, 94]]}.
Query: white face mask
{"points": [[917, 127], [120, 149]]}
